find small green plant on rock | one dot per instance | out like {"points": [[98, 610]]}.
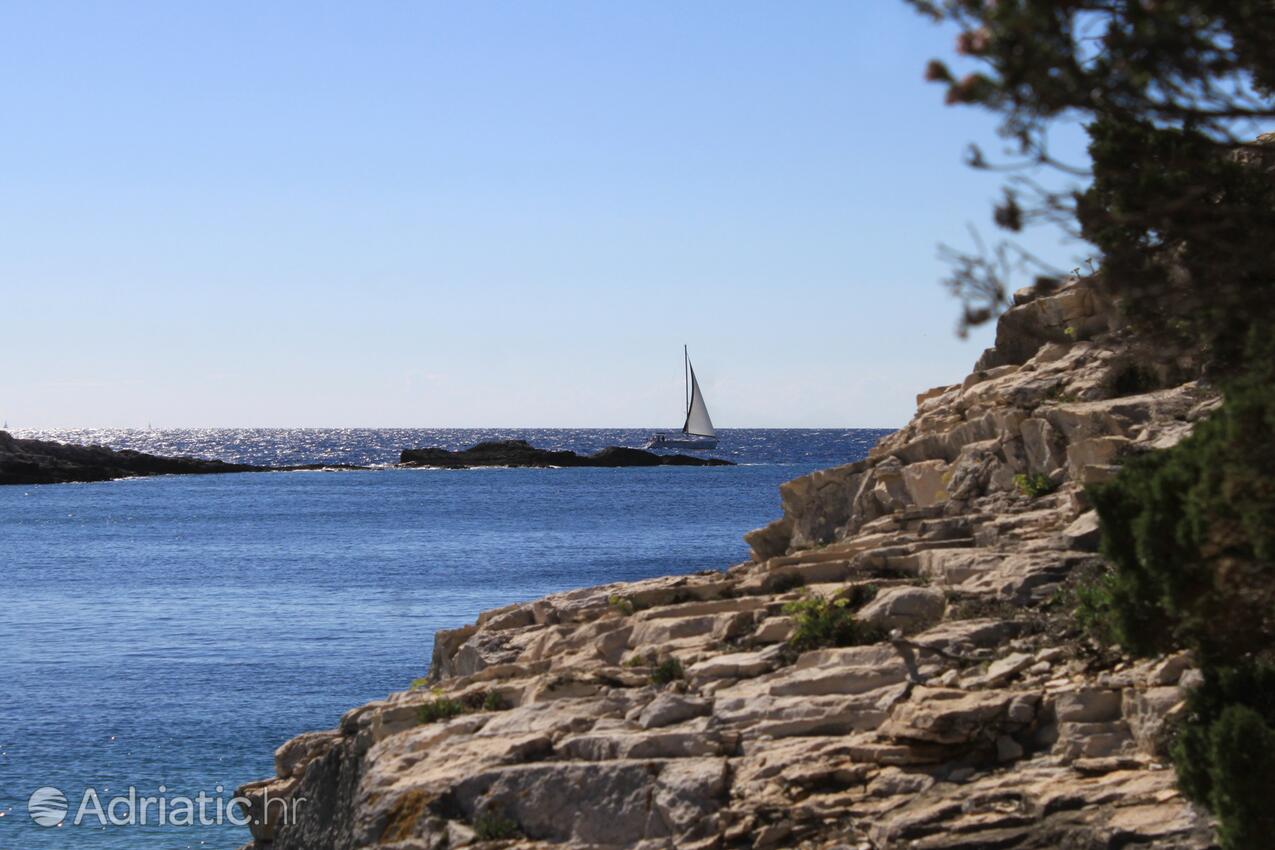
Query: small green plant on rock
{"points": [[1034, 486], [819, 622], [623, 604], [483, 701], [1092, 600], [490, 826], [668, 670], [440, 707]]}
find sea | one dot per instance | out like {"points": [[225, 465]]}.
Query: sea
{"points": [[161, 637]]}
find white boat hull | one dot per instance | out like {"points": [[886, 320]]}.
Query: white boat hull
{"points": [[681, 441]]}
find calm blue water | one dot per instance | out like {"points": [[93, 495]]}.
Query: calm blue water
{"points": [[174, 631]]}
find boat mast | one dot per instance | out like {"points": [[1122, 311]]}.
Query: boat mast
{"points": [[686, 377]]}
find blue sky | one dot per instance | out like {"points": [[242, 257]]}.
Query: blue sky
{"points": [[477, 214]]}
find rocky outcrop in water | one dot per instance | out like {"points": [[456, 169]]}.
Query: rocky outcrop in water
{"points": [[46, 462], [522, 453], [966, 710]]}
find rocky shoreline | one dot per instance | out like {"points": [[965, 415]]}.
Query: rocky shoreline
{"points": [[520, 453], [959, 706]]}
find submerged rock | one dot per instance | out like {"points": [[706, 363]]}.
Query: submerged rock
{"points": [[522, 453]]}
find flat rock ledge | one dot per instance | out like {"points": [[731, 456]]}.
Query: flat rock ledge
{"points": [[48, 462], [520, 453], [675, 712]]}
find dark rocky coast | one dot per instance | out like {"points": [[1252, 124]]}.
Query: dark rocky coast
{"points": [[522, 453], [47, 462]]}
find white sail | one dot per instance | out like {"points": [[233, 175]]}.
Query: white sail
{"points": [[697, 422]]}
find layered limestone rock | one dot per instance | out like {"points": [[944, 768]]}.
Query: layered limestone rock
{"points": [[678, 712]]}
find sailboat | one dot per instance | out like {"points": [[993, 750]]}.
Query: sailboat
{"points": [[697, 433]]}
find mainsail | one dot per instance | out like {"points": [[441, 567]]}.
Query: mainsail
{"points": [[697, 422]]}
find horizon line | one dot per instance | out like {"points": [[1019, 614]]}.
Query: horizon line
{"points": [[13, 429]]}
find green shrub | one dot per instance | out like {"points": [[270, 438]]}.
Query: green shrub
{"points": [[439, 708], [667, 670], [1242, 767], [1190, 532], [819, 622], [623, 604], [1250, 684], [490, 826], [1092, 601], [442, 707], [1225, 755], [1033, 486]]}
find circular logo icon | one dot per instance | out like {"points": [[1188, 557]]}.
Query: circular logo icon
{"points": [[47, 806]]}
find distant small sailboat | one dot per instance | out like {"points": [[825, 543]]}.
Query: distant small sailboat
{"points": [[697, 433]]}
